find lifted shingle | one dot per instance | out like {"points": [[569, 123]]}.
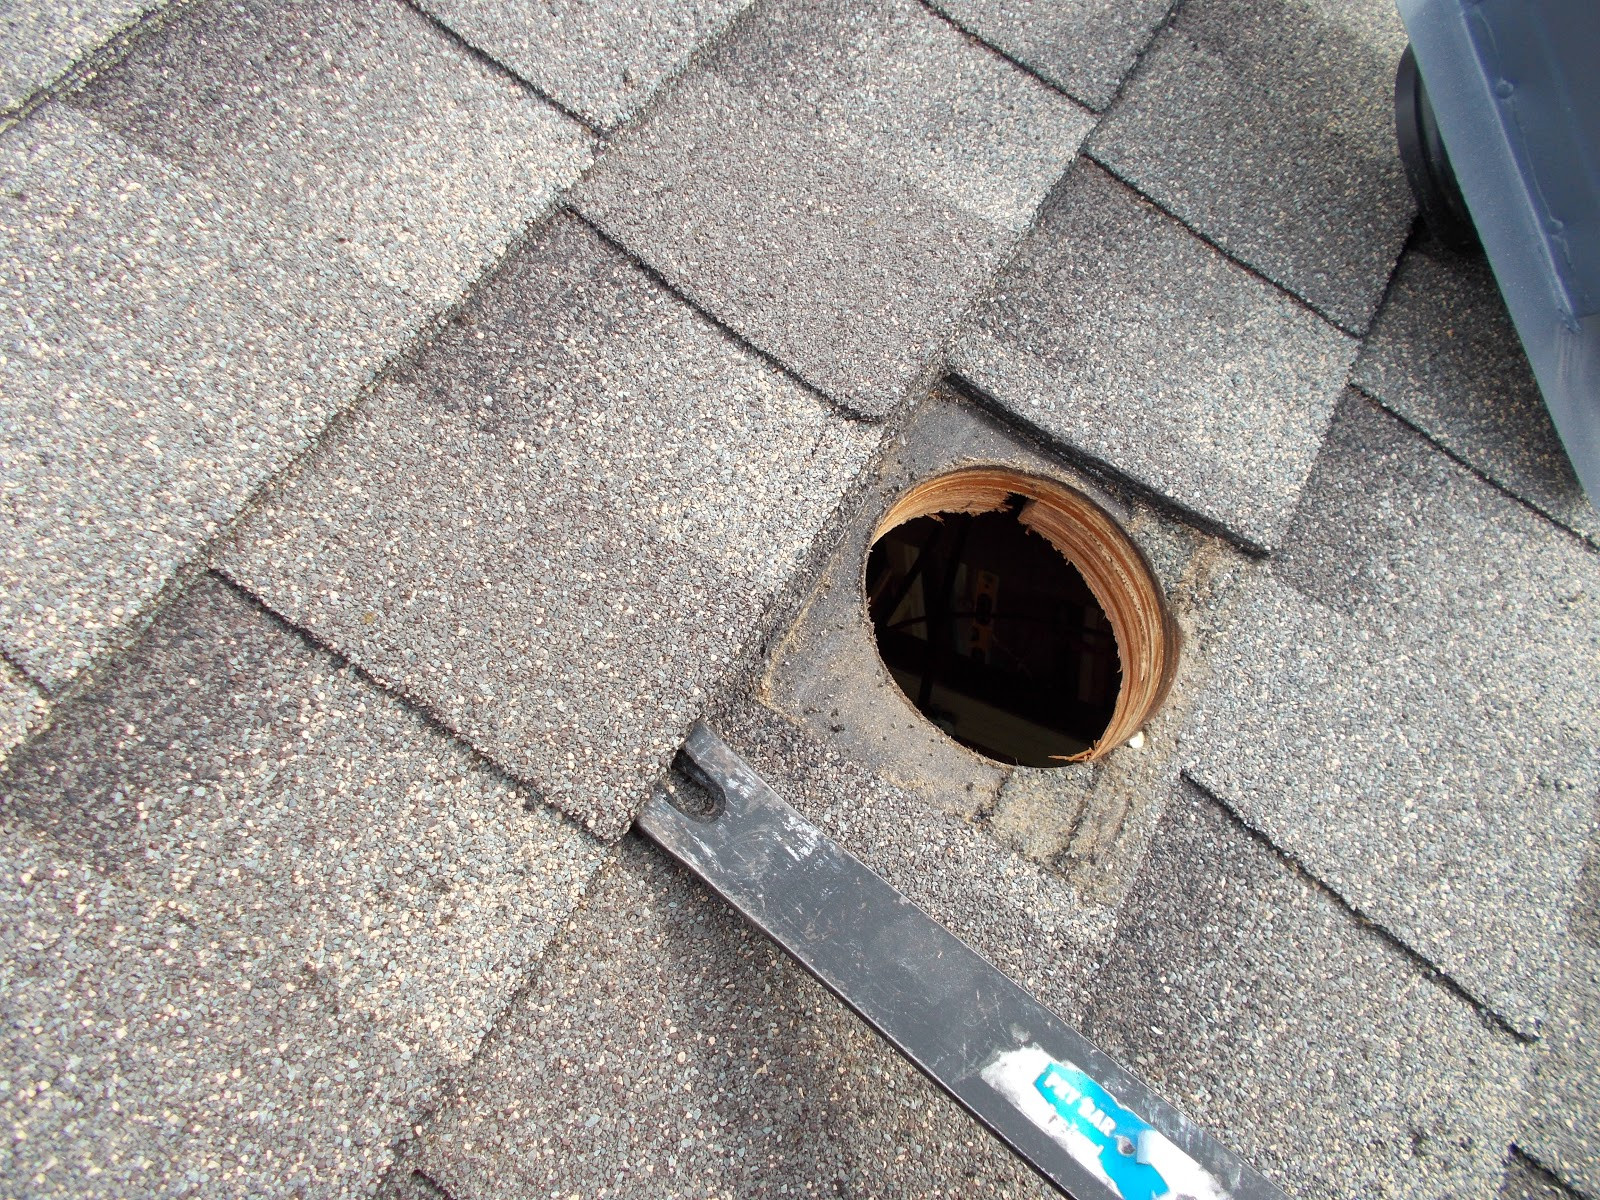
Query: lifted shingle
{"points": [[1416, 723], [1121, 334], [558, 529], [1269, 128], [836, 182], [778, 1085]]}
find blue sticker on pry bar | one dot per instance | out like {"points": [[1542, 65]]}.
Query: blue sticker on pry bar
{"points": [[1089, 1108]]}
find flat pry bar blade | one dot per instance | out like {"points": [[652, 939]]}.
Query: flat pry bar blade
{"points": [[1070, 1111]]}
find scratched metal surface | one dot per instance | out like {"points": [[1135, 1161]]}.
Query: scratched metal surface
{"points": [[946, 1008]]}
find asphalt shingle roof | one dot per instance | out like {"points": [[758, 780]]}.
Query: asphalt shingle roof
{"points": [[255, 908], [835, 182], [1405, 643], [757, 1081], [39, 43], [360, 120], [557, 527], [601, 61], [416, 416], [1268, 129], [1559, 1126], [135, 429], [1083, 47], [1239, 986], [1121, 334], [1444, 356]]}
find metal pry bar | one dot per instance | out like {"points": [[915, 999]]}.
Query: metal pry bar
{"points": [[1067, 1109]]}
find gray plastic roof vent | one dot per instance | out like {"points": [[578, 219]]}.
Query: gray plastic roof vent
{"points": [[1512, 88]]}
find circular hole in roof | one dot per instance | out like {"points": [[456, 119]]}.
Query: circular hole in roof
{"points": [[1016, 615]]}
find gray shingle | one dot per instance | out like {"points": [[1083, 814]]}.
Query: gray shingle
{"points": [[166, 348], [58, 1000], [559, 528], [836, 182], [825, 672], [40, 42], [1443, 354], [1268, 127], [1561, 1131], [21, 707], [360, 119], [406, 1183], [1118, 332], [1526, 1182], [1563, 1127], [668, 1050], [1416, 723], [1316, 1049], [332, 156], [258, 908], [123, 1031], [1084, 47], [601, 60]]}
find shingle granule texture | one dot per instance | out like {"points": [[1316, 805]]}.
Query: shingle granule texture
{"points": [[1563, 1128], [667, 1049], [1326, 1056], [1525, 1181], [296, 190], [40, 42], [1269, 128], [1443, 354], [21, 707], [559, 527], [601, 60], [1084, 47], [836, 182], [1407, 707], [254, 909], [359, 119], [167, 347], [1119, 333], [1019, 914]]}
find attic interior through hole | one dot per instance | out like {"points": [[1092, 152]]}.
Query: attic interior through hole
{"points": [[994, 635]]}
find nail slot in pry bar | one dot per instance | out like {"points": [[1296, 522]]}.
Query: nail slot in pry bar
{"points": [[1067, 1109]]}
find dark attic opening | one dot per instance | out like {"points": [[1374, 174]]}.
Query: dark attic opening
{"points": [[994, 636], [1009, 610]]}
